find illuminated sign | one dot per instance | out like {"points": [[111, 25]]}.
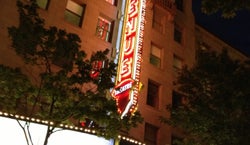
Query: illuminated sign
{"points": [[127, 86]]}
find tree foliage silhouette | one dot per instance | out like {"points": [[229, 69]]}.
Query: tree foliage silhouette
{"points": [[215, 102], [227, 8]]}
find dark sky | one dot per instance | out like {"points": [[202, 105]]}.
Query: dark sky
{"points": [[235, 32]]}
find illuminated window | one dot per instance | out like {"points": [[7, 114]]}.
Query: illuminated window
{"points": [[177, 64], [178, 34], [179, 4], [43, 3], [113, 2], [104, 29], [74, 12], [155, 56], [153, 94], [150, 134]]}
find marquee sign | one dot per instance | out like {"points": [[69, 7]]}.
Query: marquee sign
{"points": [[127, 86]]}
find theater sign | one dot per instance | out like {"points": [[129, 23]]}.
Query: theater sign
{"points": [[127, 87]]}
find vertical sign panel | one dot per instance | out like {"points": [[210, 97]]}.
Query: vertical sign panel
{"points": [[127, 86]]}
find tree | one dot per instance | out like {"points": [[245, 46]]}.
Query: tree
{"points": [[227, 8], [69, 88], [215, 109]]}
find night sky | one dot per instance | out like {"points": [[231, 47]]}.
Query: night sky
{"points": [[235, 32]]}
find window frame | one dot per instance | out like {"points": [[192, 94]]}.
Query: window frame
{"points": [[153, 94], [157, 21], [107, 35], [153, 56], [179, 5], [150, 134], [177, 99], [178, 34], [176, 58], [70, 11]]}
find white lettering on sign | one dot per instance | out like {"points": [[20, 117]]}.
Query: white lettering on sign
{"points": [[123, 88]]}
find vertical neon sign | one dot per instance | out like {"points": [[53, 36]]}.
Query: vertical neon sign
{"points": [[127, 86]]}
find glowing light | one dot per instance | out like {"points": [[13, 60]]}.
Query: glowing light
{"points": [[130, 58], [10, 128]]}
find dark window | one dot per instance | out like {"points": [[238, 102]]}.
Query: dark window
{"points": [[62, 58], [104, 29], [177, 64], [176, 99], [153, 94], [74, 12], [43, 4], [150, 134], [157, 16], [177, 34], [179, 4]]}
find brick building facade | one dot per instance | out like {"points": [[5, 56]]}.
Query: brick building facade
{"points": [[170, 40]]}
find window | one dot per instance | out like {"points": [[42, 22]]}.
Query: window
{"points": [[150, 134], [104, 29], [158, 20], [43, 3], [74, 12], [113, 2], [179, 4], [177, 64], [62, 57], [177, 100], [153, 94], [155, 56], [177, 34]]}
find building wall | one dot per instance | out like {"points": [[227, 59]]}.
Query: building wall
{"points": [[206, 40], [8, 17], [54, 16], [162, 36], [90, 43], [163, 75]]}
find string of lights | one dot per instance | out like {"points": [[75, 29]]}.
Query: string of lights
{"points": [[64, 126]]}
